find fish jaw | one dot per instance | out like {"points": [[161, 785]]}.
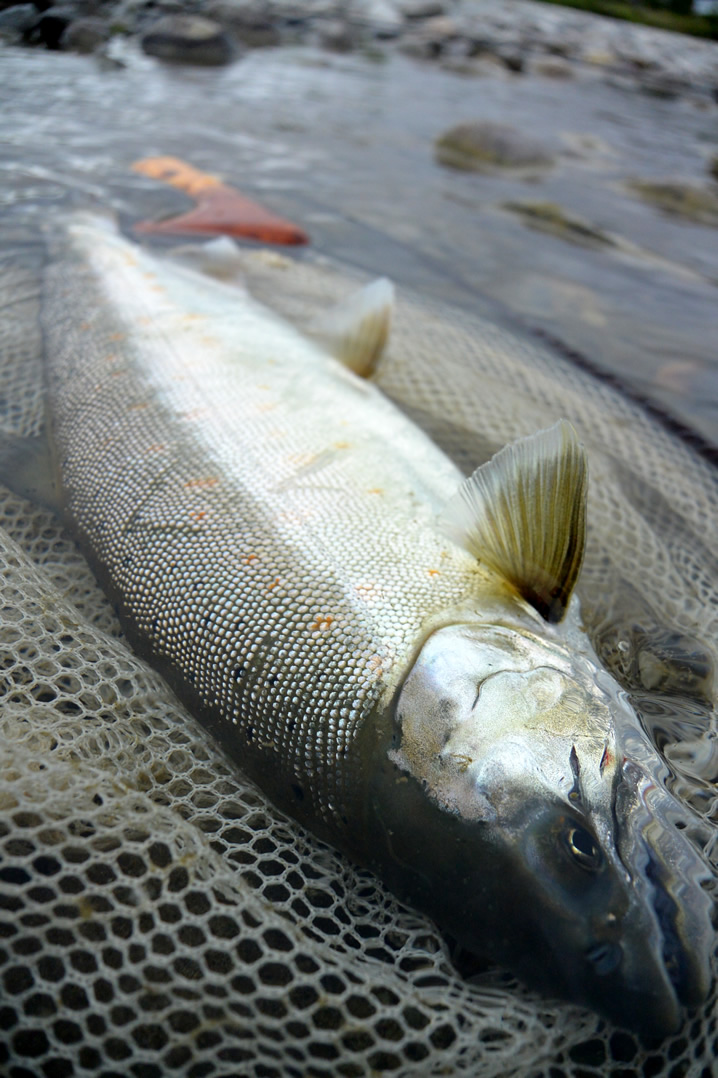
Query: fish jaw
{"points": [[538, 833]]}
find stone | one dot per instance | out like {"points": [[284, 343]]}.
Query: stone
{"points": [[421, 9], [512, 58], [683, 200], [553, 219], [336, 35], [431, 38], [552, 68], [481, 146], [248, 21], [17, 21], [382, 17], [50, 27], [85, 35], [662, 84], [188, 39]]}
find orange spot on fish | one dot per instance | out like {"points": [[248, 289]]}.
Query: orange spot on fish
{"points": [[342, 445], [202, 484], [158, 447], [250, 558], [322, 622], [433, 572], [375, 490], [140, 406], [276, 581], [117, 337], [220, 209], [198, 515]]}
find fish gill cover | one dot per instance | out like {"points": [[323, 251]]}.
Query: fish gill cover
{"points": [[160, 917]]}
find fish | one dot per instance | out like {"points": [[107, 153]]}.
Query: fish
{"points": [[394, 653]]}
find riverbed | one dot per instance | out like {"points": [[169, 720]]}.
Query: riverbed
{"points": [[344, 145]]}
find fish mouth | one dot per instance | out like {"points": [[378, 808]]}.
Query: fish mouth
{"points": [[670, 908], [678, 962]]}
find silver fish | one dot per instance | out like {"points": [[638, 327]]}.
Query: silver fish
{"points": [[274, 533]]}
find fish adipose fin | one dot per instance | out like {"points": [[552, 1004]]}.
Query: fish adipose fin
{"points": [[356, 331], [524, 515]]}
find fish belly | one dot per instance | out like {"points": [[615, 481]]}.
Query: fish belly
{"points": [[265, 520]]}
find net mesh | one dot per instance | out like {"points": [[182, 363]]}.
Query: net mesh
{"points": [[159, 917]]}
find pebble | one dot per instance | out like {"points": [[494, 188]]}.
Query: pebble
{"points": [[541, 38], [188, 39]]}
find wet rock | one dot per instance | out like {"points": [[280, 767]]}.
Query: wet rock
{"points": [[552, 68], [337, 35], [662, 84], [551, 218], [382, 16], [512, 59], [50, 27], [421, 9], [476, 147], [85, 35], [684, 200], [248, 21], [462, 63], [431, 38], [188, 39], [17, 21], [599, 58]]}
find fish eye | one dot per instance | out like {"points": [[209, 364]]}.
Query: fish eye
{"points": [[582, 848]]}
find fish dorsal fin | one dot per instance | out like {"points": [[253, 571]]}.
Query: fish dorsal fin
{"points": [[356, 331], [524, 514]]}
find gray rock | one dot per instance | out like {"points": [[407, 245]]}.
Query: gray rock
{"points": [[85, 35], [50, 27], [431, 38], [248, 21], [421, 9], [382, 16], [552, 68], [512, 58], [18, 20], [484, 146], [188, 39], [337, 35], [662, 84]]}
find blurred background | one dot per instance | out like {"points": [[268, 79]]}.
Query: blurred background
{"points": [[547, 166]]}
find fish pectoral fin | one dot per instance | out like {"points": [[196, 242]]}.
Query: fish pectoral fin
{"points": [[356, 331], [27, 468], [524, 515]]}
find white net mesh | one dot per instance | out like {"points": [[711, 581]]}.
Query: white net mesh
{"points": [[159, 917]]}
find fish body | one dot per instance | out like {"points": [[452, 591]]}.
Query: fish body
{"points": [[270, 527]]}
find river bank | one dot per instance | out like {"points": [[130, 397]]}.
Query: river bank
{"points": [[517, 33]]}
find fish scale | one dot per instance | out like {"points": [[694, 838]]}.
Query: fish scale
{"points": [[275, 546]]}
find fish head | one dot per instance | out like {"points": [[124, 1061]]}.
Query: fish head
{"points": [[544, 833]]}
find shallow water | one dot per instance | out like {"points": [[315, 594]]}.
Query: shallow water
{"points": [[343, 145]]}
